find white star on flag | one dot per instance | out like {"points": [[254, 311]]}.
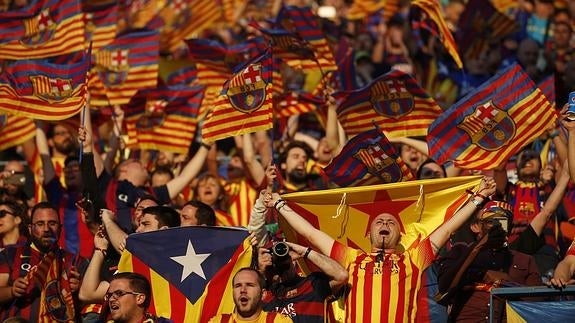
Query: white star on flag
{"points": [[192, 262]]}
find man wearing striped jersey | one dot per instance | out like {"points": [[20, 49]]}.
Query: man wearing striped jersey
{"points": [[390, 274]]}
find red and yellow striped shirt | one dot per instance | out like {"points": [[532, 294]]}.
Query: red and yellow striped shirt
{"points": [[383, 290]]}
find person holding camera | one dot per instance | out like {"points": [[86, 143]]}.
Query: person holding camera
{"points": [[301, 298], [469, 272]]}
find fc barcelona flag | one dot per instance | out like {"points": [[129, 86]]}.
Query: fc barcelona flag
{"points": [[345, 213], [41, 29], [40, 90], [190, 269], [367, 159], [295, 103], [100, 24], [547, 86], [128, 64], [492, 123], [245, 105], [393, 101], [164, 118], [426, 14]]}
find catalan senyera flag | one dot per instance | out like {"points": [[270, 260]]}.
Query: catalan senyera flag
{"points": [[245, 105], [345, 213], [100, 24], [368, 159], [43, 28], [164, 118], [479, 24], [128, 64], [303, 22], [182, 18], [40, 90], [15, 130], [492, 123], [427, 14], [393, 101], [190, 269]]}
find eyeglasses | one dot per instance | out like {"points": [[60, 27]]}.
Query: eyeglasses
{"points": [[50, 224], [4, 212], [119, 293]]}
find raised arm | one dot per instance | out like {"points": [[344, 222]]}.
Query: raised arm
{"points": [[254, 167], [93, 288], [192, 169], [318, 239], [440, 236], [44, 151], [570, 126], [540, 220]]}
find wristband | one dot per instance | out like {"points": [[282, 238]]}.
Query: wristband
{"points": [[207, 146], [476, 202], [279, 204], [481, 196], [103, 251], [307, 252]]}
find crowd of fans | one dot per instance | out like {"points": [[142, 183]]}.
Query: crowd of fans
{"points": [[515, 230]]}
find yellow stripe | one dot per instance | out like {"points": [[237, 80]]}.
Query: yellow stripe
{"points": [[125, 263], [160, 286]]}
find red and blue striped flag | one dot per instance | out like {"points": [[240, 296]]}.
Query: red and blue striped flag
{"points": [[128, 64], [190, 269], [394, 102], [41, 29], [245, 105], [100, 24], [38, 89], [367, 159], [164, 118], [492, 123]]}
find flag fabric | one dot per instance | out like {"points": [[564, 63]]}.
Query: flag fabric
{"points": [[492, 123], [345, 213], [393, 101], [163, 119], [367, 159], [479, 24], [360, 9], [302, 22], [182, 18], [547, 86], [186, 75], [294, 103], [190, 269], [128, 64], [100, 24], [245, 105], [552, 311], [40, 90], [211, 62], [43, 28], [345, 77], [15, 130], [426, 14]]}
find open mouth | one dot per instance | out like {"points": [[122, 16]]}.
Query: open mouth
{"points": [[244, 300], [384, 232], [114, 307]]}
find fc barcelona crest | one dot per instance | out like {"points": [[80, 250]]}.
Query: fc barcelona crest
{"points": [[489, 127], [154, 115], [247, 89], [51, 89], [39, 29], [391, 99], [379, 164], [113, 66]]}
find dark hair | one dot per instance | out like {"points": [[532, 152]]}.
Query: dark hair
{"points": [[19, 210], [71, 159], [162, 170], [139, 283], [205, 214], [145, 197], [261, 278], [42, 206], [165, 215], [429, 161], [295, 144]]}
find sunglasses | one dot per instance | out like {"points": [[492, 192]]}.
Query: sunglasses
{"points": [[4, 212]]}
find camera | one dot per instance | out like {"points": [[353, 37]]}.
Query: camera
{"points": [[279, 251]]}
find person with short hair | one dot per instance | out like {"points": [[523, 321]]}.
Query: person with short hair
{"points": [[248, 285], [158, 218], [197, 213], [128, 299]]}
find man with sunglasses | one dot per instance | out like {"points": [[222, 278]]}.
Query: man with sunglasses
{"points": [[39, 281], [128, 299]]}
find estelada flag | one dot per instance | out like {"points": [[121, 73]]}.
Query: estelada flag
{"points": [[426, 14], [164, 118], [345, 213], [492, 123], [393, 101], [38, 89], [245, 104], [190, 269], [41, 29], [367, 159]]}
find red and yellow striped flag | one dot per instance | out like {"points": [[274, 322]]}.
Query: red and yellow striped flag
{"points": [[245, 105], [15, 130]]}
